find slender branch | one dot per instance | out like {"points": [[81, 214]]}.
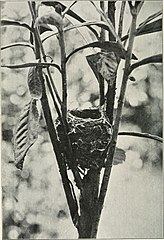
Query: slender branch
{"points": [[112, 144], [121, 18], [153, 59], [142, 135], [33, 64]]}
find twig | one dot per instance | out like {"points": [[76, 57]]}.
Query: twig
{"points": [[120, 28], [142, 135]]}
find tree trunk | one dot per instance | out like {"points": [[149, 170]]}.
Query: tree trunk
{"points": [[88, 200]]}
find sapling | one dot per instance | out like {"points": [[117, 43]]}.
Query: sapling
{"points": [[84, 140]]}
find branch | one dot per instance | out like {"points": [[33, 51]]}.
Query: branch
{"points": [[142, 135], [153, 59]]}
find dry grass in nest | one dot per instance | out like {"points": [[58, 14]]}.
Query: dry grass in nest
{"points": [[89, 133]]}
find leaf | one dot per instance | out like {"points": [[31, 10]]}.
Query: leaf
{"points": [[104, 64], [26, 133], [32, 64], [34, 83], [53, 18], [119, 156], [85, 24], [18, 44], [150, 18], [15, 23], [152, 27], [107, 46], [70, 13], [152, 59]]}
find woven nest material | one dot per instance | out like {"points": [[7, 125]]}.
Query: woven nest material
{"points": [[89, 133]]}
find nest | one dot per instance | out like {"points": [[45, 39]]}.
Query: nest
{"points": [[89, 133]]}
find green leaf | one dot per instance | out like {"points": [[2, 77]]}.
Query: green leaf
{"points": [[15, 23], [107, 46], [71, 13], [26, 133], [119, 156]]}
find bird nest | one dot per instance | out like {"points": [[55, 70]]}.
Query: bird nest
{"points": [[89, 133]]}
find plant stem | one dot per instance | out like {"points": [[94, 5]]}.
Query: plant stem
{"points": [[71, 200], [61, 163], [63, 70], [111, 91], [111, 150], [111, 16], [121, 18], [101, 79]]}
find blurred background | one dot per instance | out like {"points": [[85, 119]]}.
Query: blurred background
{"points": [[34, 204]]}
